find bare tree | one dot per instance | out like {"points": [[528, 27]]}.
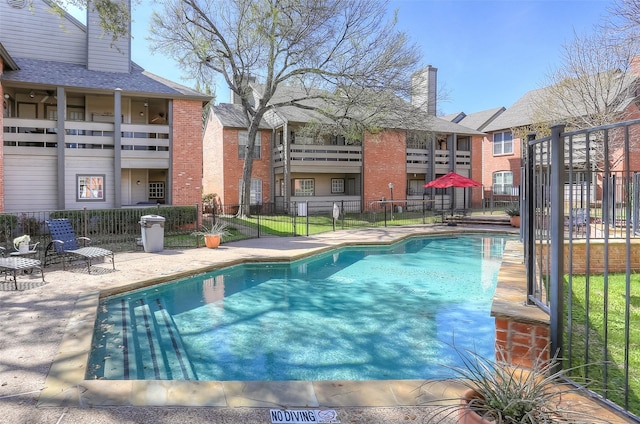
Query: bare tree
{"points": [[346, 60], [624, 17], [592, 86], [114, 15]]}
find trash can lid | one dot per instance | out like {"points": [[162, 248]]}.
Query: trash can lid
{"points": [[152, 218]]}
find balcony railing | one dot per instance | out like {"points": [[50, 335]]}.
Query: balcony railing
{"points": [[85, 135], [319, 155]]}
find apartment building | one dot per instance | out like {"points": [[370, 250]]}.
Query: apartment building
{"points": [[293, 166], [83, 126]]}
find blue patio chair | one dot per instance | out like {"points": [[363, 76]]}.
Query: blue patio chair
{"points": [[65, 243]]}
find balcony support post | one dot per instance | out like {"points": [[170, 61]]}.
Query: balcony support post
{"points": [[60, 146]]}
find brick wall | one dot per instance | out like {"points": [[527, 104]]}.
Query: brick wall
{"points": [[491, 163], [384, 161], [476, 171], [233, 166], [521, 343], [522, 331], [213, 177], [186, 152], [595, 261]]}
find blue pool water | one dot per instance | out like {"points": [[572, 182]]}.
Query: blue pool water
{"points": [[361, 313]]}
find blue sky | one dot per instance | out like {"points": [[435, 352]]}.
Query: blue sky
{"points": [[488, 52]]}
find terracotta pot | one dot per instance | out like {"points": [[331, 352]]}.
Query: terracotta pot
{"points": [[515, 221], [466, 415], [212, 240]]}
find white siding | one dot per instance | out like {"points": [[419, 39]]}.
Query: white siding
{"points": [[37, 32], [29, 180]]}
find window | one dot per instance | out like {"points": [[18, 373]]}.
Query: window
{"points": [[337, 185], [255, 192], [90, 187], [304, 187], [337, 140], [464, 143], [156, 190], [243, 140], [75, 113], [416, 187], [502, 182], [502, 143]]}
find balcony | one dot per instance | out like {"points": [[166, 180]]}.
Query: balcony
{"points": [[320, 158], [138, 142], [418, 160]]}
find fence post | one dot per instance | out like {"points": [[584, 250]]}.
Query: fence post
{"points": [[198, 216], [258, 219], [306, 216], [342, 211], [556, 289], [529, 236], [385, 214], [294, 213]]}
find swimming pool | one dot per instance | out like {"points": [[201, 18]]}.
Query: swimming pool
{"points": [[360, 313]]}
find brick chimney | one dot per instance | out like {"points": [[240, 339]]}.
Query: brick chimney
{"points": [[424, 89]]}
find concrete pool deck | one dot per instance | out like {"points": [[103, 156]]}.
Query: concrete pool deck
{"points": [[45, 335]]}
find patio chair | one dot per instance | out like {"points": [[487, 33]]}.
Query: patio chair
{"points": [[578, 220], [11, 265], [65, 243]]}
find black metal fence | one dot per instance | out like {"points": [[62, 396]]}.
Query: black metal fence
{"points": [[114, 229], [313, 217], [581, 203], [120, 230]]}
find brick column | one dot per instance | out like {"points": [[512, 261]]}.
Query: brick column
{"points": [[186, 154]]}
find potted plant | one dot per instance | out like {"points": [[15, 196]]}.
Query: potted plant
{"points": [[21, 244], [502, 393], [514, 213], [213, 234]]}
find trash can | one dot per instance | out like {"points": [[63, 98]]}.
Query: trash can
{"points": [[152, 227]]}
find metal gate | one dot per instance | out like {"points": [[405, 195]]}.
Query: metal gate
{"points": [[581, 256]]}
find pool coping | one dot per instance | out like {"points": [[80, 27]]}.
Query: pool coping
{"points": [[66, 386]]}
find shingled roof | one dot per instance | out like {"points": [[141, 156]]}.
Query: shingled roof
{"points": [[232, 116], [479, 120], [139, 81], [419, 121], [522, 112]]}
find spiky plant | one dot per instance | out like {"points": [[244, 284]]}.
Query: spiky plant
{"points": [[505, 394]]}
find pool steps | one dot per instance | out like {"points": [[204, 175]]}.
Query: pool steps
{"points": [[147, 328]]}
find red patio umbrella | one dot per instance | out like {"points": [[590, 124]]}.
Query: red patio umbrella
{"points": [[453, 179]]}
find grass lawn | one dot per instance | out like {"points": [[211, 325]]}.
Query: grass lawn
{"points": [[287, 225], [603, 339]]}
